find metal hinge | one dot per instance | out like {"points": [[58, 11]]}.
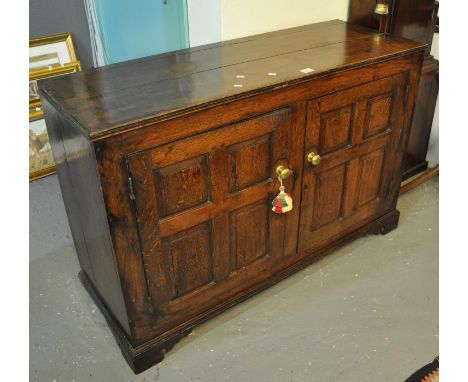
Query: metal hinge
{"points": [[130, 188], [406, 95]]}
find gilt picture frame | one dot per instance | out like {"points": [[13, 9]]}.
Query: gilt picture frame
{"points": [[51, 51], [41, 161], [49, 56], [35, 106]]}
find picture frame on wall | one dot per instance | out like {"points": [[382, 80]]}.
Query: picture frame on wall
{"points": [[41, 161], [49, 56], [35, 106], [51, 51]]}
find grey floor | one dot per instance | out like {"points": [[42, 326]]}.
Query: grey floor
{"points": [[368, 312]]}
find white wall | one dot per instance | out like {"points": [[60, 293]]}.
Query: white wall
{"points": [[433, 150], [215, 20], [205, 21], [246, 17]]}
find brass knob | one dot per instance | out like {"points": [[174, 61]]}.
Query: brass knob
{"points": [[313, 158], [283, 172], [381, 9]]}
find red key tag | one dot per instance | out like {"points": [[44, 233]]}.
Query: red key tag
{"points": [[283, 202]]}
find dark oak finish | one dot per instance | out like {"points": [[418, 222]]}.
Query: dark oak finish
{"points": [[415, 157], [98, 99], [352, 183], [168, 170], [415, 20], [79, 181]]}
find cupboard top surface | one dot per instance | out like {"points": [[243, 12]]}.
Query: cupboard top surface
{"points": [[119, 96]]}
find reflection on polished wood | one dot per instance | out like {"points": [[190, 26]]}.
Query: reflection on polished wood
{"points": [[101, 100]]}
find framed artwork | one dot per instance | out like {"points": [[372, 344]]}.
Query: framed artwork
{"points": [[51, 51], [48, 57], [41, 162], [35, 106]]}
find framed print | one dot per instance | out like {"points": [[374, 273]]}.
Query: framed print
{"points": [[49, 56], [51, 51], [41, 162], [35, 109], [35, 106]]}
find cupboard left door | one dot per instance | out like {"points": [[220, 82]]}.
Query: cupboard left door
{"points": [[204, 214]]}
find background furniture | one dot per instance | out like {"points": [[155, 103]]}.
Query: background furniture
{"points": [[168, 166], [415, 20]]}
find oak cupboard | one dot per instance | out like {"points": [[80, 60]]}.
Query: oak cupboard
{"points": [[168, 167]]}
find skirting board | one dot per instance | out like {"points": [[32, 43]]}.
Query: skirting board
{"points": [[411, 183]]}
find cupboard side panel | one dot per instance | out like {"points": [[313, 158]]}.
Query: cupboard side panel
{"points": [[407, 119], [80, 186], [55, 126], [415, 157]]}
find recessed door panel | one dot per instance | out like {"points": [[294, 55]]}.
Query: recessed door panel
{"points": [[250, 162], [352, 132], [378, 112], [329, 191], [336, 128], [182, 186], [249, 233], [370, 176], [190, 256]]}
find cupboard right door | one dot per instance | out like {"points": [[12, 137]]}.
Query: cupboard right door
{"points": [[351, 142]]}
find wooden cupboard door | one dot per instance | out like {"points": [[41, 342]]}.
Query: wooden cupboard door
{"points": [[356, 132], [203, 210]]}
